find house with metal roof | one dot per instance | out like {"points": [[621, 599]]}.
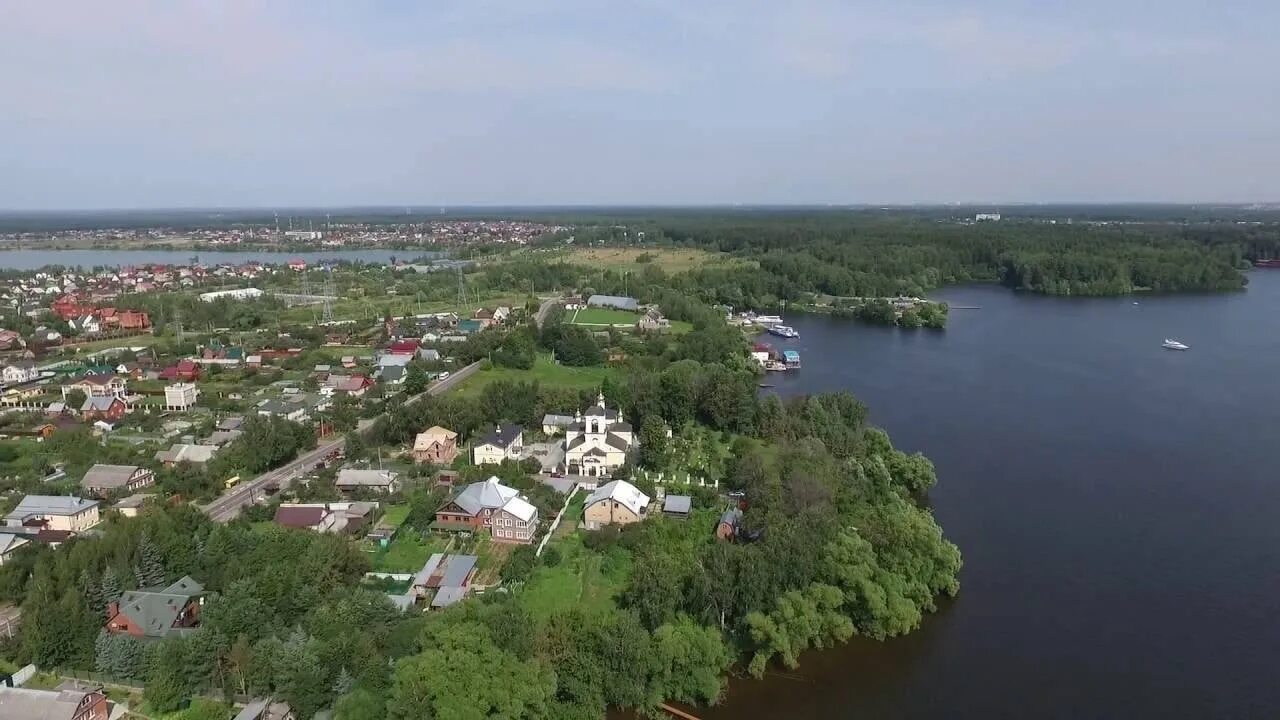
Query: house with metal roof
{"points": [[157, 612], [455, 581], [503, 443], [617, 502], [54, 512], [555, 424], [677, 506], [382, 481], [493, 506], [71, 700], [102, 479], [9, 544], [182, 452]]}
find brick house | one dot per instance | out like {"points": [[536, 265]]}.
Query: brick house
{"points": [[492, 506], [109, 409], [158, 612], [436, 445]]}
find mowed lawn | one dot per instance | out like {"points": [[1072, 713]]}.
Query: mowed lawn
{"points": [[602, 316], [584, 579], [544, 371], [407, 552]]}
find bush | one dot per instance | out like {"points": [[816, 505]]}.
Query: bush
{"points": [[551, 557]]}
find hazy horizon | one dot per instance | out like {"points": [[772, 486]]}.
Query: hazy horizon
{"points": [[139, 105]]}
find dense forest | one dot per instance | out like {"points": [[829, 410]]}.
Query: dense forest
{"points": [[795, 255]]}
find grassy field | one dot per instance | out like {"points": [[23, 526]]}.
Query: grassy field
{"points": [[585, 579], [602, 316], [395, 514], [544, 371], [672, 260], [407, 553], [121, 342], [372, 309]]}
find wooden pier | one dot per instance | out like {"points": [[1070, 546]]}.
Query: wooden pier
{"points": [[676, 712]]}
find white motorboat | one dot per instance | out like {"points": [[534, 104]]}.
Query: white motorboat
{"points": [[768, 320], [1174, 345]]}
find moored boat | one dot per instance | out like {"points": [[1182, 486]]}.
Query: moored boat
{"points": [[785, 331]]}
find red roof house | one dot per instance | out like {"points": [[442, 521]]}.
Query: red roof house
{"points": [[185, 370]]}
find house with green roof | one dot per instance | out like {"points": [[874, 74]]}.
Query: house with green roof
{"points": [[157, 612]]}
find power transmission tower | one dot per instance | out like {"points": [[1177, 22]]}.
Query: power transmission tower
{"points": [[177, 324], [327, 312], [462, 289]]}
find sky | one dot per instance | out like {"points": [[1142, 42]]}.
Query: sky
{"points": [[228, 103]]}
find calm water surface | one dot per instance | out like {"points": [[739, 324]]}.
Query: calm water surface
{"points": [[1117, 505], [34, 259]]}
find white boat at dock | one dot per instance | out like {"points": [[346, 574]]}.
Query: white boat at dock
{"points": [[768, 320]]}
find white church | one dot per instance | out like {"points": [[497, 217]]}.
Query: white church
{"points": [[597, 442]]}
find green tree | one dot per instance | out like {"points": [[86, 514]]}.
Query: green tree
{"points": [[519, 564], [346, 412], [415, 379], [356, 447], [360, 704], [150, 571], [166, 687], [691, 662], [464, 676], [75, 399], [654, 443]]}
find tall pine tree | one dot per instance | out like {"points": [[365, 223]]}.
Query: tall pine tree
{"points": [[150, 570], [110, 587]]}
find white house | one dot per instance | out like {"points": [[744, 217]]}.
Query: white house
{"points": [[504, 443], [88, 325], [19, 372], [597, 442], [180, 396], [54, 512]]}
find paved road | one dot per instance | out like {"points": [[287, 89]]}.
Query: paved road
{"points": [[226, 507], [545, 308]]}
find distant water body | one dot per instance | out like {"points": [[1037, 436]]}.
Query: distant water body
{"points": [[1117, 505], [35, 259]]}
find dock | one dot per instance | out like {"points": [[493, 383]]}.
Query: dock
{"points": [[676, 712]]}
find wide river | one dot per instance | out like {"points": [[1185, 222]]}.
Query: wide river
{"points": [[1117, 505], [35, 259]]}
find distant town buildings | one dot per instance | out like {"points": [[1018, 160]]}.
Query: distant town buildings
{"points": [[986, 217], [233, 294]]}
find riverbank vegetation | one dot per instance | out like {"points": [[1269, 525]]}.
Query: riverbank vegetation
{"points": [[851, 254]]}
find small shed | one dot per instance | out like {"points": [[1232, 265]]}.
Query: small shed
{"points": [[677, 506]]}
